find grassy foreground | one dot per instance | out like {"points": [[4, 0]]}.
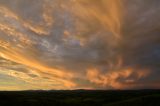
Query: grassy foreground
{"points": [[81, 98]]}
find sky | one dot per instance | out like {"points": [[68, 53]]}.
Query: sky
{"points": [[79, 44]]}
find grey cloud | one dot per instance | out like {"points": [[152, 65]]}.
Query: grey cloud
{"points": [[87, 43]]}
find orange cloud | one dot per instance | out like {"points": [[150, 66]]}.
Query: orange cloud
{"points": [[110, 17], [113, 78], [14, 50], [80, 34]]}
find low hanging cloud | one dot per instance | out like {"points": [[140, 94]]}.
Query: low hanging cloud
{"points": [[59, 44]]}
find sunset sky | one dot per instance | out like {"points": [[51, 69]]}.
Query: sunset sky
{"points": [[79, 44]]}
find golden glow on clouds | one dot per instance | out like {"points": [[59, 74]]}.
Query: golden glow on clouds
{"points": [[14, 53], [119, 79], [108, 13], [66, 44]]}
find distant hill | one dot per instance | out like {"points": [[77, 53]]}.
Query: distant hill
{"points": [[80, 97]]}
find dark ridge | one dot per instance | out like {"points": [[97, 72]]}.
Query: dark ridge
{"points": [[80, 97]]}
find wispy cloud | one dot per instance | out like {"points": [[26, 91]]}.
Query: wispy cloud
{"points": [[59, 44]]}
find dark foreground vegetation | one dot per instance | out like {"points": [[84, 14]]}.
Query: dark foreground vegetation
{"points": [[81, 98]]}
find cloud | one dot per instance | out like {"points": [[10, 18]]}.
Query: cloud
{"points": [[58, 44], [117, 79]]}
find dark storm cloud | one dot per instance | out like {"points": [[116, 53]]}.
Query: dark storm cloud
{"points": [[140, 40]]}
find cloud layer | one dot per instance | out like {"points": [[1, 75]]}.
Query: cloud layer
{"points": [[59, 44]]}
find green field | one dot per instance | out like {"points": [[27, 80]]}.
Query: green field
{"points": [[81, 98]]}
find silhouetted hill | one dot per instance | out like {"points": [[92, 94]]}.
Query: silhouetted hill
{"points": [[80, 98]]}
